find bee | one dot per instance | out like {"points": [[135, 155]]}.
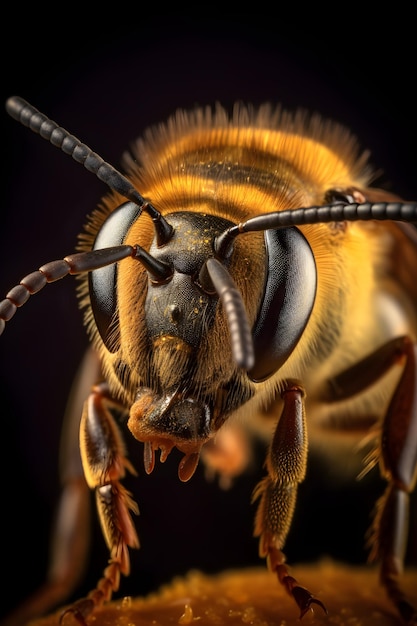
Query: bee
{"points": [[260, 284]]}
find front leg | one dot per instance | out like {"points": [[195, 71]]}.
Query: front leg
{"points": [[286, 464], [105, 463]]}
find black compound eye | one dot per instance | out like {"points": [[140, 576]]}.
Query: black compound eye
{"points": [[289, 295], [338, 196], [103, 282]]}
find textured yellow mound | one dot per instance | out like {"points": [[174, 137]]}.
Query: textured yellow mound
{"points": [[351, 594]]}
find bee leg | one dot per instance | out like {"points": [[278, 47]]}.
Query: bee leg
{"points": [[286, 464], [227, 455], [104, 462], [398, 464], [397, 457], [70, 532]]}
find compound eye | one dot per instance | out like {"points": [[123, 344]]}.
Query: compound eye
{"points": [[289, 295], [103, 282]]}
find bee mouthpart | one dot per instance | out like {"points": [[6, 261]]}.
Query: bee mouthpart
{"points": [[167, 421], [187, 465]]}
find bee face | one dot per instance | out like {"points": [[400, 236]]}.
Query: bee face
{"points": [[240, 173], [259, 276]]}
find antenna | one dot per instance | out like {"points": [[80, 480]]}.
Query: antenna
{"points": [[39, 123]]}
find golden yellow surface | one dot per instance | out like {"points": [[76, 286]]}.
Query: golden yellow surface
{"points": [[352, 596]]}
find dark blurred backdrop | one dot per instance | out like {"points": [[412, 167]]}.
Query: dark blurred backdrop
{"points": [[106, 80]]}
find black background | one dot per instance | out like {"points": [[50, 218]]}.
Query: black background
{"points": [[106, 80]]}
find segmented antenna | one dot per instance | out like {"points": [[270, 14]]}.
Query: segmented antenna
{"points": [[39, 123], [55, 270], [234, 308], [396, 211]]}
